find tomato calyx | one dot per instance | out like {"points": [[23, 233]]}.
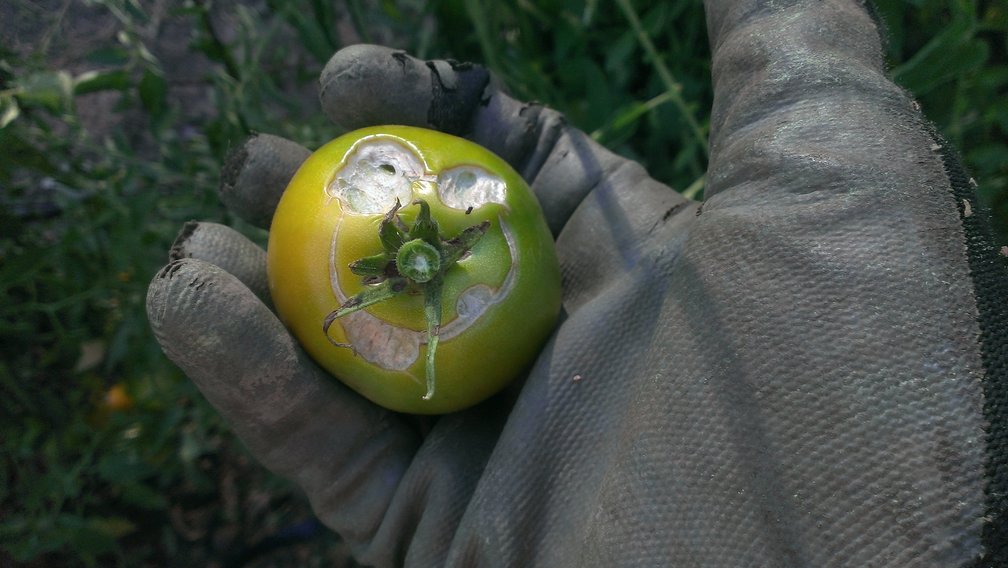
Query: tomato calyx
{"points": [[418, 261], [414, 261]]}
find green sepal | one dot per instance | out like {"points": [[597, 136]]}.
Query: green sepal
{"points": [[424, 226], [377, 265], [462, 243], [419, 261], [369, 296], [390, 233]]}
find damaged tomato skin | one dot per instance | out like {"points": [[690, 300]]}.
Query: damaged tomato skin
{"points": [[471, 365]]}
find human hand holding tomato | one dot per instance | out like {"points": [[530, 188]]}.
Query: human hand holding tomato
{"points": [[793, 373]]}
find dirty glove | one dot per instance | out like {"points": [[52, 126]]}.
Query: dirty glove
{"points": [[809, 368]]}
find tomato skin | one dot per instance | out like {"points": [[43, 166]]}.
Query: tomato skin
{"points": [[512, 273]]}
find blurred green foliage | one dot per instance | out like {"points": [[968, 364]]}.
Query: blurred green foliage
{"points": [[953, 56], [86, 218]]}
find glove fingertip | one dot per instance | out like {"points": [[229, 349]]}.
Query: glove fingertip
{"points": [[227, 341], [457, 90], [368, 85], [178, 247], [186, 294], [255, 174], [226, 248]]}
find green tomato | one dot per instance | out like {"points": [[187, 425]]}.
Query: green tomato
{"points": [[414, 266]]}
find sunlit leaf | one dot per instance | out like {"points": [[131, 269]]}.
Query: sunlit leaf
{"points": [[94, 81], [9, 110], [49, 89]]}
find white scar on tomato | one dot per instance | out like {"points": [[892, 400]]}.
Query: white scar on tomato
{"points": [[397, 348], [378, 172], [466, 187]]}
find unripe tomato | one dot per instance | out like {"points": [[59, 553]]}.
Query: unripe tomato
{"points": [[414, 266]]}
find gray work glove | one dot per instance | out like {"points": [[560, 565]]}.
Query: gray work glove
{"points": [[809, 368]]}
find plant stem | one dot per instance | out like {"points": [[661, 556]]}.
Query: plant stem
{"points": [[672, 87]]}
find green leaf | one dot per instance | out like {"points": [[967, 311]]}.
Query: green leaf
{"points": [[142, 496], [95, 81], [123, 468], [600, 97], [25, 539], [312, 30], [953, 53], [630, 114], [9, 110], [191, 447], [110, 56], [87, 536], [47, 89], [153, 91], [619, 59]]}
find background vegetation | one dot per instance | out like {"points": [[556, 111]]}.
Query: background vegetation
{"points": [[114, 118]]}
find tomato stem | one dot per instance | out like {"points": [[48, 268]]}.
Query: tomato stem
{"points": [[432, 313], [419, 261], [414, 259]]}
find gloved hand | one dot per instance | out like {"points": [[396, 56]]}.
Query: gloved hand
{"points": [[808, 368]]}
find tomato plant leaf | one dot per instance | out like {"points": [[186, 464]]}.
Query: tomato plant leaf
{"points": [[153, 90], [95, 81], [48, 89], [9, 110]]}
